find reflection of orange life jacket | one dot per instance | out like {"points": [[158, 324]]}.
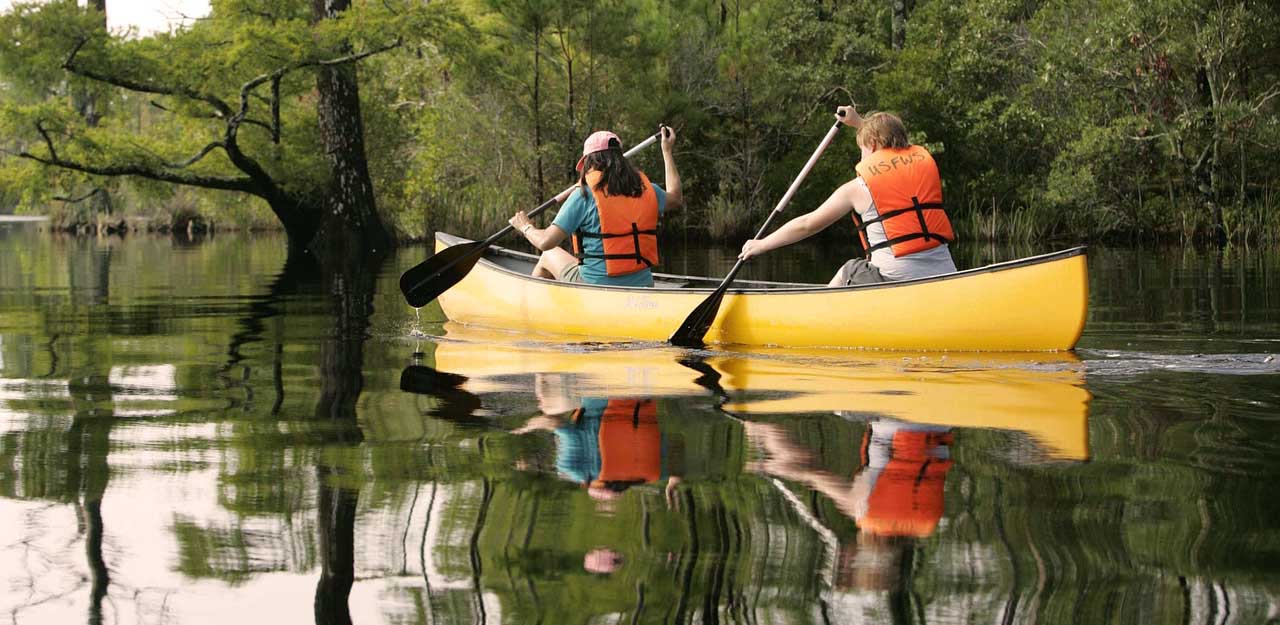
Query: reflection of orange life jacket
{"points": [[907, 191], [628, 228], [907, 499], [630, 441]]}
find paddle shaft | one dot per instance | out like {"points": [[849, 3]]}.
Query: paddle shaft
{"points": [[479, 248], [695, 326], [786, 197], [556, 200]]}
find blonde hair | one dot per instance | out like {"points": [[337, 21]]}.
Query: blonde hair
{"points": [[883, 130]]}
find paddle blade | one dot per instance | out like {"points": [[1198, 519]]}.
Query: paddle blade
{"points": [[428, 279], [695, 326]]}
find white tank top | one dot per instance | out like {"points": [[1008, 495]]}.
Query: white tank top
{"points": [[930, 262]]}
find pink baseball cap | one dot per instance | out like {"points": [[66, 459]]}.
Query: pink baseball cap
{"points": [[599, 141]]}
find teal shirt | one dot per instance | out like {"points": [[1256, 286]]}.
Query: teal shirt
{"points": [[579, 213]]}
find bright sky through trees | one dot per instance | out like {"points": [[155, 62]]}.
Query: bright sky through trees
{"points": [[148, 16]]}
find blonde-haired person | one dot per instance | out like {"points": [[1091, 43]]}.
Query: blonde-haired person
{"points": [[895, 201]]}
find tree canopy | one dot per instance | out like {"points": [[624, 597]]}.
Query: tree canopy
{"points": [[1048, 117]]}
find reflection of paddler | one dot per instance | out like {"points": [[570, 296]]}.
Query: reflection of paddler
{"points": [[895, 497], [608, 445], [903, 478], [611, 444], [897, 492]]}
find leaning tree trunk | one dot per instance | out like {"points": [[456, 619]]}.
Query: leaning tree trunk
{"points": [[349, 224]]}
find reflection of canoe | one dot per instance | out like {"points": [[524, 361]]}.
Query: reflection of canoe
{"points": [[1034, 304], [1039, 394]]}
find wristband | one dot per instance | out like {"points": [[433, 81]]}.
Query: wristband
{"points": [[525, 229]]}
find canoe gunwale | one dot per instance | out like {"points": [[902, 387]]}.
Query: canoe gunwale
{"points": [[789, 288]]}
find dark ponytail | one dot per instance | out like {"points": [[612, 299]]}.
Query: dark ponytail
{"points": [[618, 177]]}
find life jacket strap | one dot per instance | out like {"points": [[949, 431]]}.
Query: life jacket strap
{"points": [[908, 237], [597, 235], [918, 208], [635, 238]]}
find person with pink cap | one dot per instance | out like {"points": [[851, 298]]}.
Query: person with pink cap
{"points": [[612, 217]]}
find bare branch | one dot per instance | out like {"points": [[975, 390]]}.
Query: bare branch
{"points": [[352, 58], [140, 86], [69, 200], [275, 109], [253, 122], [199, 155], [47, 141], [1271, 93], [1154, 137], [278, 75], [169, 110], [208, 182]]}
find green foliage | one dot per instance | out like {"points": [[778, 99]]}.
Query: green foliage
{"points": [[1048, 117]]}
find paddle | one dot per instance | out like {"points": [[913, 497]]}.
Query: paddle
{"points": [[695, 326], [428, 279], [456, 404]]}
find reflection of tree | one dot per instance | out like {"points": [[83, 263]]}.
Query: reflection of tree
{"points": [[349, 287], [337, 515], [89, 437], [300, 274]]}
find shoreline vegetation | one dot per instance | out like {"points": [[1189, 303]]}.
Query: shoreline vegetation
{"points": [[194, 226], [1051, 120]]}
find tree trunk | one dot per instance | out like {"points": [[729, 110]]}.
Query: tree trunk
{"points": [[86, 104], [1206, 167], [568, 70], [537, 102], [899, 34], [82, 98], [349, 224]]}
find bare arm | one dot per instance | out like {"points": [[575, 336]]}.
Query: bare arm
{"points": [[843, 200], [545, 238], [541, 238], [675, 198]]}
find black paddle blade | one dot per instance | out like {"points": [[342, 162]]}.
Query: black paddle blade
{"points": [[695, 326], [428, 279]]}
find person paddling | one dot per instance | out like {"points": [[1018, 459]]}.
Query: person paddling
{"points": [[895, 201], [613, 217]]}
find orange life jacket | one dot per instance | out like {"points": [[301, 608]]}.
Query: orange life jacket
{"points": [[907, 498], [628, 228], [630, 442], [907, 190]]}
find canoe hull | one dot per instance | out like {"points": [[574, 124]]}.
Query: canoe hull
{"points": [[1040, 394], [1031, 305]]}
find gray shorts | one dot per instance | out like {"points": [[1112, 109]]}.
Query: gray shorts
{"points": [[859, 271], [572, 273]]}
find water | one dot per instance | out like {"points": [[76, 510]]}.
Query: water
{"points": [[198, 434]]}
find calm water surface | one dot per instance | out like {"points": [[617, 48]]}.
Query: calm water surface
{"points": [[200, 434]]}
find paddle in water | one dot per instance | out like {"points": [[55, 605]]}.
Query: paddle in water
{"points": [[428, 279], [695, 326]]}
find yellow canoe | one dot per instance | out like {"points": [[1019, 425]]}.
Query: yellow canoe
{"points": [[1041, 395], [1033, 304]]}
